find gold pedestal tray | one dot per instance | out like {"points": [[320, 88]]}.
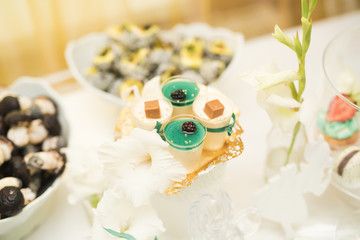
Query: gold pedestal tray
{"points": [[209, 159]]}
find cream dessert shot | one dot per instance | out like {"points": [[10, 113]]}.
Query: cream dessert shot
{"points": [[185, 135], [181, 92], [216, 112], [147, 112]]}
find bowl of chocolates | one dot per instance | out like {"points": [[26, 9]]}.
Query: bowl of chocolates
{"points": [[33, 132]]}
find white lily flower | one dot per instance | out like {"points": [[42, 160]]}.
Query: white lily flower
{"points": [[86, 174], [140, 165], [117, 213], [265, 82], [274, 94], [152, 88]]}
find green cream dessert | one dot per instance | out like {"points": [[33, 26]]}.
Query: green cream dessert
{"points": [[181, 92], [182, 140], [185, 136], [338, 133]]}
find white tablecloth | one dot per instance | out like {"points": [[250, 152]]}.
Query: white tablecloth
{"points": [[92, 121]]}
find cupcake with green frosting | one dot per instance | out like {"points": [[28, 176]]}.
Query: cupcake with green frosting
{"points": [[339, 124]]}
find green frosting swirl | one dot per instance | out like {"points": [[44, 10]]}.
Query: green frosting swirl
{"points": [[337, 130]]}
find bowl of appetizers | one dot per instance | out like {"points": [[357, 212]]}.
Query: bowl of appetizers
{"points": [[116, 64], [33, 132]]}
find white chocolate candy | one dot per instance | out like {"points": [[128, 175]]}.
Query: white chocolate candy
{"points": [[46, 105], [37, 131], [10, 182], [25, 103], [6, 149], [19, 135], [51, 161], [347, 167], [28, 194]]}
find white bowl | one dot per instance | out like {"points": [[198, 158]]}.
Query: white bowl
{"points": [[20, 225], [79, 53]]}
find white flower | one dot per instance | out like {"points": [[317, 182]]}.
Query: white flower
{"points": [[86, 174], [274, 94], [140, 165], [118, 214], [152, 88]]}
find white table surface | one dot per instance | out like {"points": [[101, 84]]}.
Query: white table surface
{"points": [[92, 121]]}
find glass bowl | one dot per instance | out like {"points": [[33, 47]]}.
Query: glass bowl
{"points": [[341, 63], [341, 67]]}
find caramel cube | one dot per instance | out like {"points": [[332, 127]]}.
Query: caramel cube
{"points": [[214, 108], [152, 109]]}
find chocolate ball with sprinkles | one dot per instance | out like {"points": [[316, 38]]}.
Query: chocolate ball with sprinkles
{"points": [[347, 167]]}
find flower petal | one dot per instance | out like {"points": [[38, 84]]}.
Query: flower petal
{"points": [[117, 156], [249, 77], [86, 175], [138, 185], [98, 232], [283, 102], [271, 80], [148, 138], [145, 224], [166, 169], [114, 211], [152, 88]]}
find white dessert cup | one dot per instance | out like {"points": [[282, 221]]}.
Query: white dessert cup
{"points": [[218, 128], [138, 113], [190, 154]]}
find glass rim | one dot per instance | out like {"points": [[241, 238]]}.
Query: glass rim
{"points": [[324, 63], [190, 146], [138, 101], [210, 121], [179, 77]]}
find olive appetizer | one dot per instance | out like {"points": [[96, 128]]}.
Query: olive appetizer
{"points": [[30, 150]]}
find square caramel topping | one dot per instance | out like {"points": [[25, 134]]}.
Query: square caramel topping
{"points": [[152, 109], [214, 108]]}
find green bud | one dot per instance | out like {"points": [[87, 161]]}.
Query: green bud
{"points": [[304, 8], [282, 37], [298, 47], [306, 26], [312, 6]]}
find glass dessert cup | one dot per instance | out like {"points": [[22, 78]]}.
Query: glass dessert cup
{"points": [[341, 62], [219, 127], [189, 87], [141, 121], [185, 147]]}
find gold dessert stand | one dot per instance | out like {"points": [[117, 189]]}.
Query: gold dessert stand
{"points": [[209, 159]]}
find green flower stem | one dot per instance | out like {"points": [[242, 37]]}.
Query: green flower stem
{"points": [[294, 93], [300, 48], [295, 133]]}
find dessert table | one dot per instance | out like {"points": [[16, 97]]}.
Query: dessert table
{"points": [[92, 122]]}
